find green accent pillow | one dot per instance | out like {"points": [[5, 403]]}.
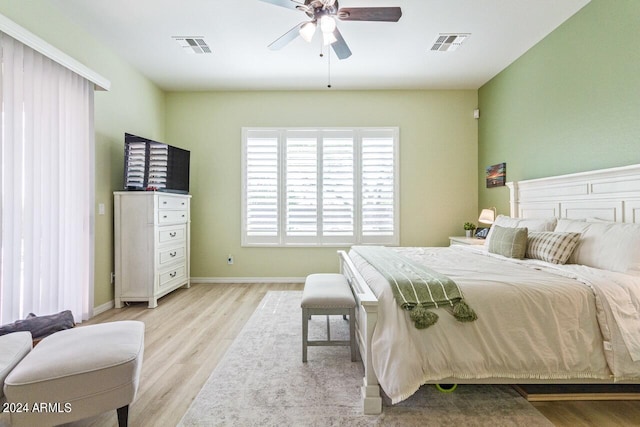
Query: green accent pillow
{"points": [[509, 242]]}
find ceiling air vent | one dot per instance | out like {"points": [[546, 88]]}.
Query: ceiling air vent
{"points": [[193, 44], [448, 42]]}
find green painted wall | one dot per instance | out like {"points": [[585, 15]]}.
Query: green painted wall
{"points": [[570, 104], [133, 105], [438, 166]]}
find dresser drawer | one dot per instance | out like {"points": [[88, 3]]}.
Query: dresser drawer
{"points": [[172, 217], [169, 202], [170, 277], [167, 256], [170, 235]]}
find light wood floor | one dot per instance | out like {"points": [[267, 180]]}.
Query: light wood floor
{"points": [[191, 329]]}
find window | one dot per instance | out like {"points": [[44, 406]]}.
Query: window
{"points": [[313, 187]]}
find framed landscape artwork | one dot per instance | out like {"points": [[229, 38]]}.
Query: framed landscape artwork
{"points": [[496, 175]]}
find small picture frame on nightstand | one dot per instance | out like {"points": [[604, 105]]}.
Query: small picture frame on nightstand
{"points": [[482, 233]]}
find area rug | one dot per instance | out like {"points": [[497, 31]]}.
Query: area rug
{"points": [[261, 381]]}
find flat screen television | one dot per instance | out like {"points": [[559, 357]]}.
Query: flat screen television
{"points": [[154, 166]]}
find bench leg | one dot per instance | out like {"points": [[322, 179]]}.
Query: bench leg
{"points": [[352, 334], [305, 333], [328, 330], [123, 416]]}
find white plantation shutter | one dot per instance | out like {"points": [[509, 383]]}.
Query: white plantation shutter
{"points": [[338, 198], [301, 182], [261, 187], [378, 185], [320, 186]]}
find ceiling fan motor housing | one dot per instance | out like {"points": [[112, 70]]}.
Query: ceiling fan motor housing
{"points": [[315, 9]]}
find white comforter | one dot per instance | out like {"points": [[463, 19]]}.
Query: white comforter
{"points": [[535, 321]]}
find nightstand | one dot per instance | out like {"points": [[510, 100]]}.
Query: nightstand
{"points": [[465, 241]]}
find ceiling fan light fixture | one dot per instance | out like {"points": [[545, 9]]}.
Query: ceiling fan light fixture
{"points": [[307, 31], [327, 24], [328, 38]]}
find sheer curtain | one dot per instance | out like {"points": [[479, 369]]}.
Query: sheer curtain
{"points": [[47, 185]]}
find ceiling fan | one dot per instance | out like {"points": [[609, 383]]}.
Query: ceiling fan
{"points": [[323, 14]]}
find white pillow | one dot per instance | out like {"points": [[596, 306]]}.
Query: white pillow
{"points": [[594, 219], [607, 245], [572, 225], [506, 221], [531, 224]]}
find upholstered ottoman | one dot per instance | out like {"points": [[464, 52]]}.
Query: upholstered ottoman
{"points": [[327, 294], [78, 373], [13, 348]]}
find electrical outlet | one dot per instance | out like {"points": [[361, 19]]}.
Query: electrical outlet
{"points": [[230, 259]]}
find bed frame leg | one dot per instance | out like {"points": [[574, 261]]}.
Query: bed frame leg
{"points": [[371, 400], [365, 319]]}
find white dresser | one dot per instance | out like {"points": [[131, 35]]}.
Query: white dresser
{"points": [[152, 236]]}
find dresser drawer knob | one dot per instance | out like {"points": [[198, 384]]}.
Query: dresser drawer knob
{"points": [[172, 254], [174, 234], [173, 274]]}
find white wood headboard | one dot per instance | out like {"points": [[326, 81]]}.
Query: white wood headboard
{"points": [[608, 194]]}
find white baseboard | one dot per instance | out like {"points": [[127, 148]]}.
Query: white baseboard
{"points": [[219, 280], [103, 307]]}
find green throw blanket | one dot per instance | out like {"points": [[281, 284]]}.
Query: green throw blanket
{"points": [[416, 287]]}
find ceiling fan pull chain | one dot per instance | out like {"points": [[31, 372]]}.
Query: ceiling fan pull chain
{"points": [[329, 66]]}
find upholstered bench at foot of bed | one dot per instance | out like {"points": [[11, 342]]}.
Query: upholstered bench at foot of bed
{"points": [[327, 294], [78, 373]]}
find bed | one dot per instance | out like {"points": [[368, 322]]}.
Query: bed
{"points": [[572, 317]]}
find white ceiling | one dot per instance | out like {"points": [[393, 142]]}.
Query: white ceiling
{"points": [[385, 55]]}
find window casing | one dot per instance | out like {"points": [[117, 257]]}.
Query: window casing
{"points": [[320, 187]]}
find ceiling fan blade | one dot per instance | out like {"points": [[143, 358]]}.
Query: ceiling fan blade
{"points": [[289, 4], [340, 46], [286, 38], [386, 14]]}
